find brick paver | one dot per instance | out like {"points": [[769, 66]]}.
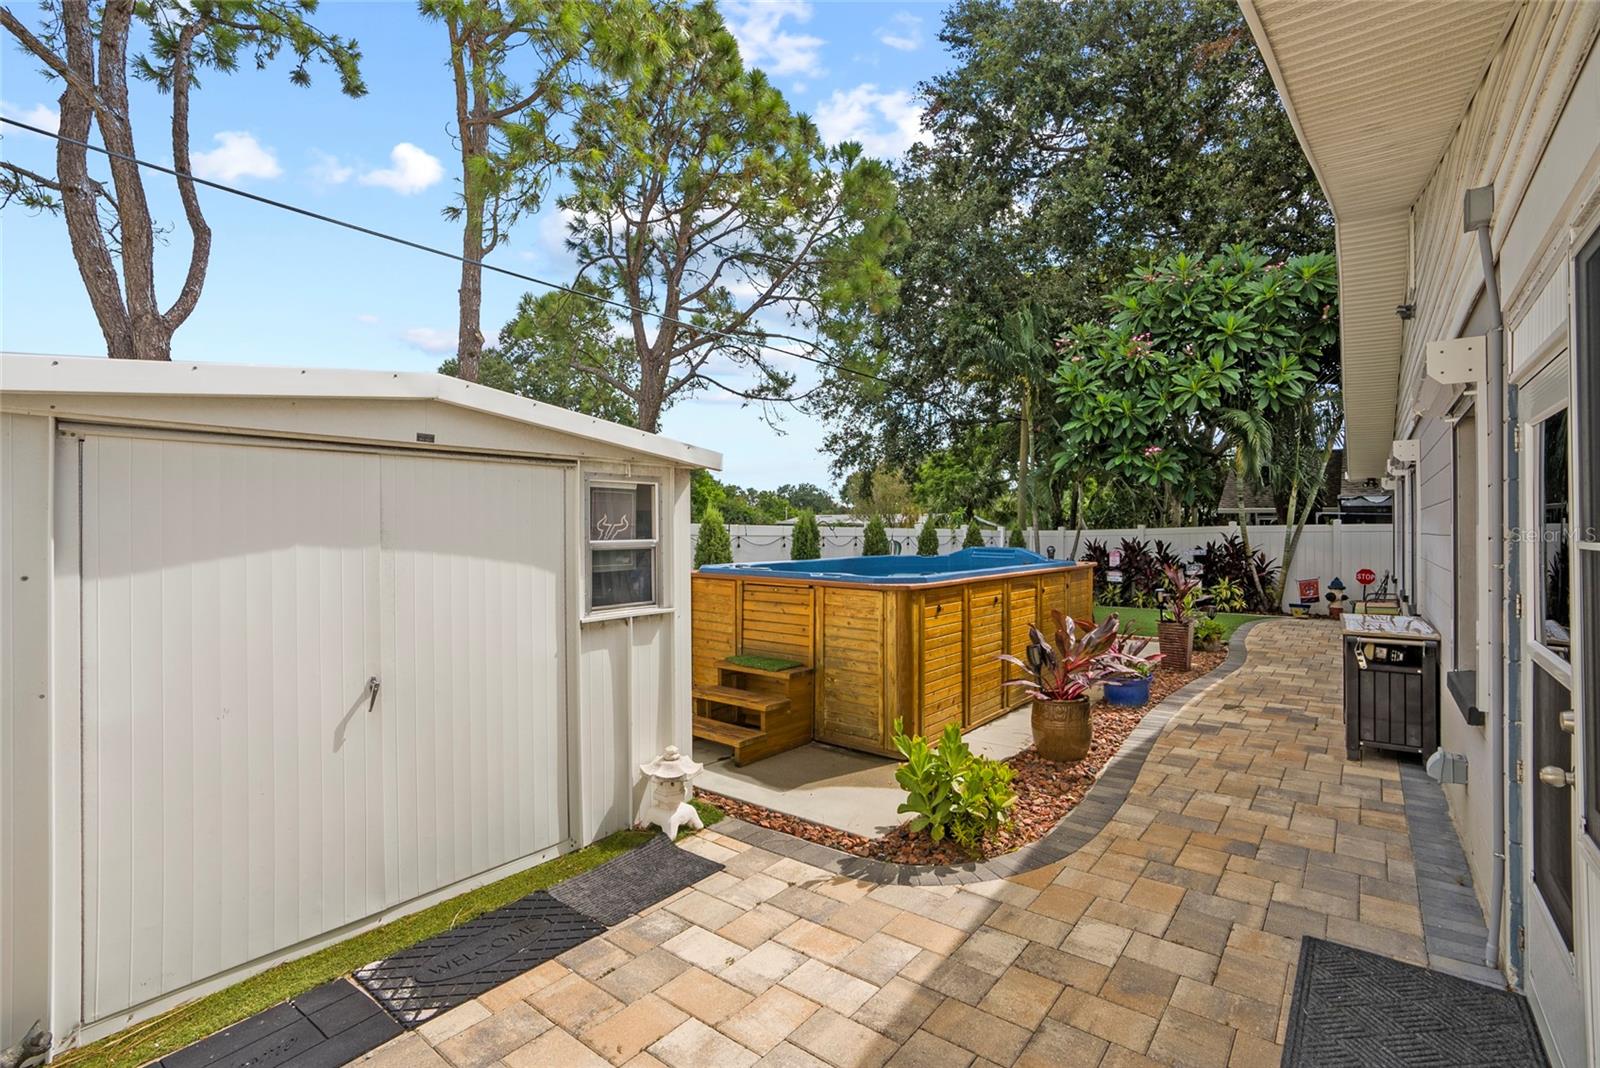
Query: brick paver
{"points": [[1170, 938]]}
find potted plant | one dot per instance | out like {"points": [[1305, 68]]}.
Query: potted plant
{"points": [[1130, 667], [1059, 676], [1181, 600]]}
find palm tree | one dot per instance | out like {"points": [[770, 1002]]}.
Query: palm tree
{"points": [[1019, 357]]}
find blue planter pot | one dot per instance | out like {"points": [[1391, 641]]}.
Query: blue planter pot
{"points": [[1130, 693]]}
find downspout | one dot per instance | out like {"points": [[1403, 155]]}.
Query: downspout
{"points": [[1477, 210]]}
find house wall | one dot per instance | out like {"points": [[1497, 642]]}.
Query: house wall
{"points": [[24, 722], [1530, 132]]}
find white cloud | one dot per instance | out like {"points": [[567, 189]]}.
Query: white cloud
{"points": [[328, 170], [41, 115], [885, 124], [238, 155], [368, 318], [763, 42], [413, 171], [426, 338], [903, 32]]}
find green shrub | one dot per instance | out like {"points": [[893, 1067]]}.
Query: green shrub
{"points": [[974, 538], [713, 546], [1015, 539], [875, 540], [951, 792], [807, 544], [928, 539], [1206, 630]]}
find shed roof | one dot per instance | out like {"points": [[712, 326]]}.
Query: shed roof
{"points": [[100, 377], [1375, 93]]}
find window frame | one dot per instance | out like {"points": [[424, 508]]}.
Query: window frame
{"points": [[1583, 440], [591, 545], [1460, 536]]}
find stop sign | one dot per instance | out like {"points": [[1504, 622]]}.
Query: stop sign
{"points": [[1366, 576]]}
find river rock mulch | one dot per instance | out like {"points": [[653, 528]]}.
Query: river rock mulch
{"points": [[1046, 791]]}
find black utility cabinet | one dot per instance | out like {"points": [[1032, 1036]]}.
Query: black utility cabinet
{"points": [[1391, 685]]}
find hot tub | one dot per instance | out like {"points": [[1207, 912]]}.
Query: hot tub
{"points": [[875, 639]]}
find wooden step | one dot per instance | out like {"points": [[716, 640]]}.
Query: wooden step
{"points": [[716, 730], [745, 669], [732, 695]]}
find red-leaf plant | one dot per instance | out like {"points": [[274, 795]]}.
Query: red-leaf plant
{"points": [[1127, 658], [1064, 671], [1182, 598]]}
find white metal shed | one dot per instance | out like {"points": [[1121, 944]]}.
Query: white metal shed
{"points": [[287, 653]]}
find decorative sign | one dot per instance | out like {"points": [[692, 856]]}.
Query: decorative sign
{"points": [[1310, 589], [1194, 570], [1366, 576], [1113, 577], [1114, 558]]}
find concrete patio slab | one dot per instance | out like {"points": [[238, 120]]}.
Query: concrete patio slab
{"points": [[842, 788]]}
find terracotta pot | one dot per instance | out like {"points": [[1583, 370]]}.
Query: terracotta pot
{"points": [[1177, 642], [1062, 729]]}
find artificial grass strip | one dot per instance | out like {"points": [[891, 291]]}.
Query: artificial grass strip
{"points": [[195, 1020], [759, 662]]}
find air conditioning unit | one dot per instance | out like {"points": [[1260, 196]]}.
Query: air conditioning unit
{"points": [[1407, 451], [1457, 361]]}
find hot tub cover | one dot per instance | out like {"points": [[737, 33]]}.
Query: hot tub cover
{"points": [[898, 570]]}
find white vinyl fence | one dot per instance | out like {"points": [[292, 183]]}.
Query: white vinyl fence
{"points": [[1325, 551]]}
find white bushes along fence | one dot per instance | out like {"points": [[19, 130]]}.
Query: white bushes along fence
{"points": [[1325, 551]]}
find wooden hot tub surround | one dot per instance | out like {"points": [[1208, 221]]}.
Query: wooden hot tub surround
{"points": [[925, 652]]}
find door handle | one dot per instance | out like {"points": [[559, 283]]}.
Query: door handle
{"points": [[1569, 721], [1551, 775], [373, 686]]}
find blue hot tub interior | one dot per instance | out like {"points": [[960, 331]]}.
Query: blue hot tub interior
{"points": [[898, 570]]}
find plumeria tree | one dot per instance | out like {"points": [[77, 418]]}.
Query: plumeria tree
{"points": [[1190, 350]]}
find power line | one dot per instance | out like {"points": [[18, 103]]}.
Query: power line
{"points": [[444, 253]]}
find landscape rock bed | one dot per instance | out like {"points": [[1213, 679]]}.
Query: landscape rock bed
{"points": [[1046, 791]]}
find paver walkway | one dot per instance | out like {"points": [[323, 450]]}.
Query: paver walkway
{"points": [[1170, 939]]}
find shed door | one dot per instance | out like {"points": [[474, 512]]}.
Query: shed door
{"points": [[242, 793]]}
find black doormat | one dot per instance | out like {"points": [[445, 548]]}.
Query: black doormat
{"points": [[1354, 1009], [448, 969], [330, 1025], [634, 881]]}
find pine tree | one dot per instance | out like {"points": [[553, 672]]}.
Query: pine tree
{"points": [[807, 543], [1015, 539], [713, 547], [974, 538], [928, 540], [875, 541]]}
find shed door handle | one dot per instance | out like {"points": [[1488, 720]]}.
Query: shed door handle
{"points": [[373, 686]]}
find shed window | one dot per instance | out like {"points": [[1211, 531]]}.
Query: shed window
{"points": [[623, 540]]}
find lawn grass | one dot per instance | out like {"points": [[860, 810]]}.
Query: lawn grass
{"points": [[195, 1020], [1143, 620]]}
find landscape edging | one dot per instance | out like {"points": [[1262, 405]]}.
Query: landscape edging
{"points": [[1086, 819]]}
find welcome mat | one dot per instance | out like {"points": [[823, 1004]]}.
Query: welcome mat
{"points": [[634, 881], [448, 969], [330, 1025], [1354, 1009]]}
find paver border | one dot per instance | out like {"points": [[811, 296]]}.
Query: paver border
{"points": [[1087, 818]]}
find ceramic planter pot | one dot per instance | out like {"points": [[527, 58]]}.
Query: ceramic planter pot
{"points": [[1129, 693], [1062, 730], [1177, 642]]}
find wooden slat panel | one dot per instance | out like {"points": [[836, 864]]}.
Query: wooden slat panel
{"points": [[1052, 595], [1023, 613], [986, 612], [714, 626], [943, 689], [1080, 595], [851, 699], [777, 619]]}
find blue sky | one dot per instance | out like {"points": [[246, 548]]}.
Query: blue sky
{"points": [[287, 290]]}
